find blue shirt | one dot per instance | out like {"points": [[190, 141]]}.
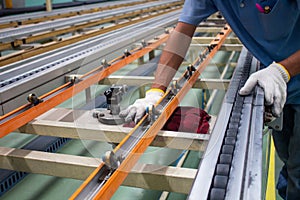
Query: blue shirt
{"points": [[269, 37]]}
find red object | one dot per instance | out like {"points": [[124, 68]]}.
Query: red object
{"points": [[186, 119]]}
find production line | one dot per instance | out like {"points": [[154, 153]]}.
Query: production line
{"points": [[48, 80], [29, 18], [29, 34]]}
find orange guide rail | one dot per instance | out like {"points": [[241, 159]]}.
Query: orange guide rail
{"points": [[119, 175]]}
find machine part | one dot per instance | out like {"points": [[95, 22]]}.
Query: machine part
{"points": [[174, 87], [127, 53], [111, 160], [143, 43], [153, 113], [113, 98], [190, 70], [274, 123], [105, 64], [33, 99], [106, 117]]}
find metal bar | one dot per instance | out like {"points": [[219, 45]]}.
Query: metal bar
{"points": [[78, 21], [15, 119], [10, 58], [143, 134], [43, 72], [30, 18]]}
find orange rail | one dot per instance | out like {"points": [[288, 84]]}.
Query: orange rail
{"points": [[15, 119], [116, 179]]}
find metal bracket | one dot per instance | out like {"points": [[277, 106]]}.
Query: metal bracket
{"points": [[276, 123]]}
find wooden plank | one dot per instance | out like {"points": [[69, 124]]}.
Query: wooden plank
{"points": [[224, 47], [57, 123], [207, 40], [208, 29], [221, 84], [147, 176]]}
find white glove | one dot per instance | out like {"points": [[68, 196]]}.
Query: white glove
{"points": [[273, 80], [137, 110]]}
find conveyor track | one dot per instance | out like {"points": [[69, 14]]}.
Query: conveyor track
{"points": [[19, 79], [224, 172], [27, 112], [28, 34], [105, 180], [84, 8], [34, 50]]}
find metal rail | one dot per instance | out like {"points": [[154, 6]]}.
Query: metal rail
{"points": [[31, 75], [26, 113], [105, 180], [35, 49], [227, 169], [33, 33], [30, 18]]}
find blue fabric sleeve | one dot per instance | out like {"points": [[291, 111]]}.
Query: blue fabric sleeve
{"points": [[195, 11]]}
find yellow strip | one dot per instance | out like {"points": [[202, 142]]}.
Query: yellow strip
{"points": [[271, 194], [155, 89], [286, 71]]}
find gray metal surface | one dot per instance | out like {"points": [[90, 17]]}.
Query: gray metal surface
{"points": [[253, 173], [225, 175], [29, 16], [7, 35], [17, 82]]}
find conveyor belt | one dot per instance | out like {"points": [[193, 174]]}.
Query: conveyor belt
{"points": [[226, 171]]}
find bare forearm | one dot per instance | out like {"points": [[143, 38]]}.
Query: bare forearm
{"points": [[173, 55], [292, 63]]}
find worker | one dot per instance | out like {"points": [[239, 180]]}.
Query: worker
{"points": [[270, 30]]}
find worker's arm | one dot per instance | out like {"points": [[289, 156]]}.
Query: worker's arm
{"points": [[173, 54], [273, 80], [171, 58]]}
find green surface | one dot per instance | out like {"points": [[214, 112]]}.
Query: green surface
{"points": [[30, 3]]}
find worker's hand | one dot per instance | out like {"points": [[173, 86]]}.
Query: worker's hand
{"points": [[137, 110], [273, 80]]}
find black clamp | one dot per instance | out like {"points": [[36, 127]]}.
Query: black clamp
{"points": [[33, 99], [113, 98]]}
